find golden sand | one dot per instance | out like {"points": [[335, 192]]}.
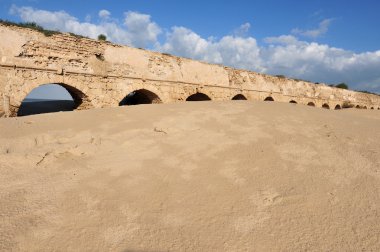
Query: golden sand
{"points": [[201, 176]]}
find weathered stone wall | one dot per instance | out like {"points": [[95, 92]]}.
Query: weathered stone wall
{"points": [[101, 74]]}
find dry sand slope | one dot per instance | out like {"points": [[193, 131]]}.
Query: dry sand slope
{"points": [[206, 176]]}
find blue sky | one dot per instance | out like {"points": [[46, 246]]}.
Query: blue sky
{"points": [[321, 41]]}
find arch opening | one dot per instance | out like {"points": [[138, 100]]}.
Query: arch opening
{"points": [[325, 106], [365, 107], [239, 97], [293, 102], [50, 98], [140, 96], [337, 107], [269, 98], [372, 108], [198, 97], [311, 104], [357, 106]]}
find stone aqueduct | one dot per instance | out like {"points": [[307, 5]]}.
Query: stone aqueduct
{"points": [[101, 74]]}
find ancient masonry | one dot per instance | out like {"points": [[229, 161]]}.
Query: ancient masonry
{"points": [[101, 74]]}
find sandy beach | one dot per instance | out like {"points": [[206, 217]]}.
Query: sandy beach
{"points": [[195, 176]]}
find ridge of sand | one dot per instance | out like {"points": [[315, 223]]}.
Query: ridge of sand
{"points": [[205, 176]]}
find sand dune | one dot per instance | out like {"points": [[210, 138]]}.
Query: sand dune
{"points": [[202, 176]]}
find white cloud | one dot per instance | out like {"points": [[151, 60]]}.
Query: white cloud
{"points": [[88, 18], [184, 42], [229, 50], [286, 54], [138, 31], [144, 31], [283, 39], [315, 33], [322, 63], [104, 14], [242, 30]]}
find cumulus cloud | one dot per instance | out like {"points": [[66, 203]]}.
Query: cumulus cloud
{"points": [[230, 50], [315, 33], [283, 39], [138, 30], [184, 42], [286, 54], [88, 18], [142, 29], [104, 14], [322, 63], [243, 30]]}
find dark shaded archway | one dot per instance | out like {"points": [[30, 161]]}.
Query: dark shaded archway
{"points": [[269, 98], [325, 106], [372, 108], [293, 101], [198, 97], [357, 106], [49, 98], [311, 104], [365, 107], [239, 97], [141, 96], [337, 107]]}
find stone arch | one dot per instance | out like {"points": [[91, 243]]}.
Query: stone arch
{"points": [[151, 87], [140, 96], [365, 107], [198, 97], [337, 107], [357, 106], [325, 106], [79, 101], [293, 101], [311, 104], [269, 98], [372, 108], [239, 97]]}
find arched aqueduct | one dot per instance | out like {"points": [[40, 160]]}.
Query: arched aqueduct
{"points": [[101, 74]]}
